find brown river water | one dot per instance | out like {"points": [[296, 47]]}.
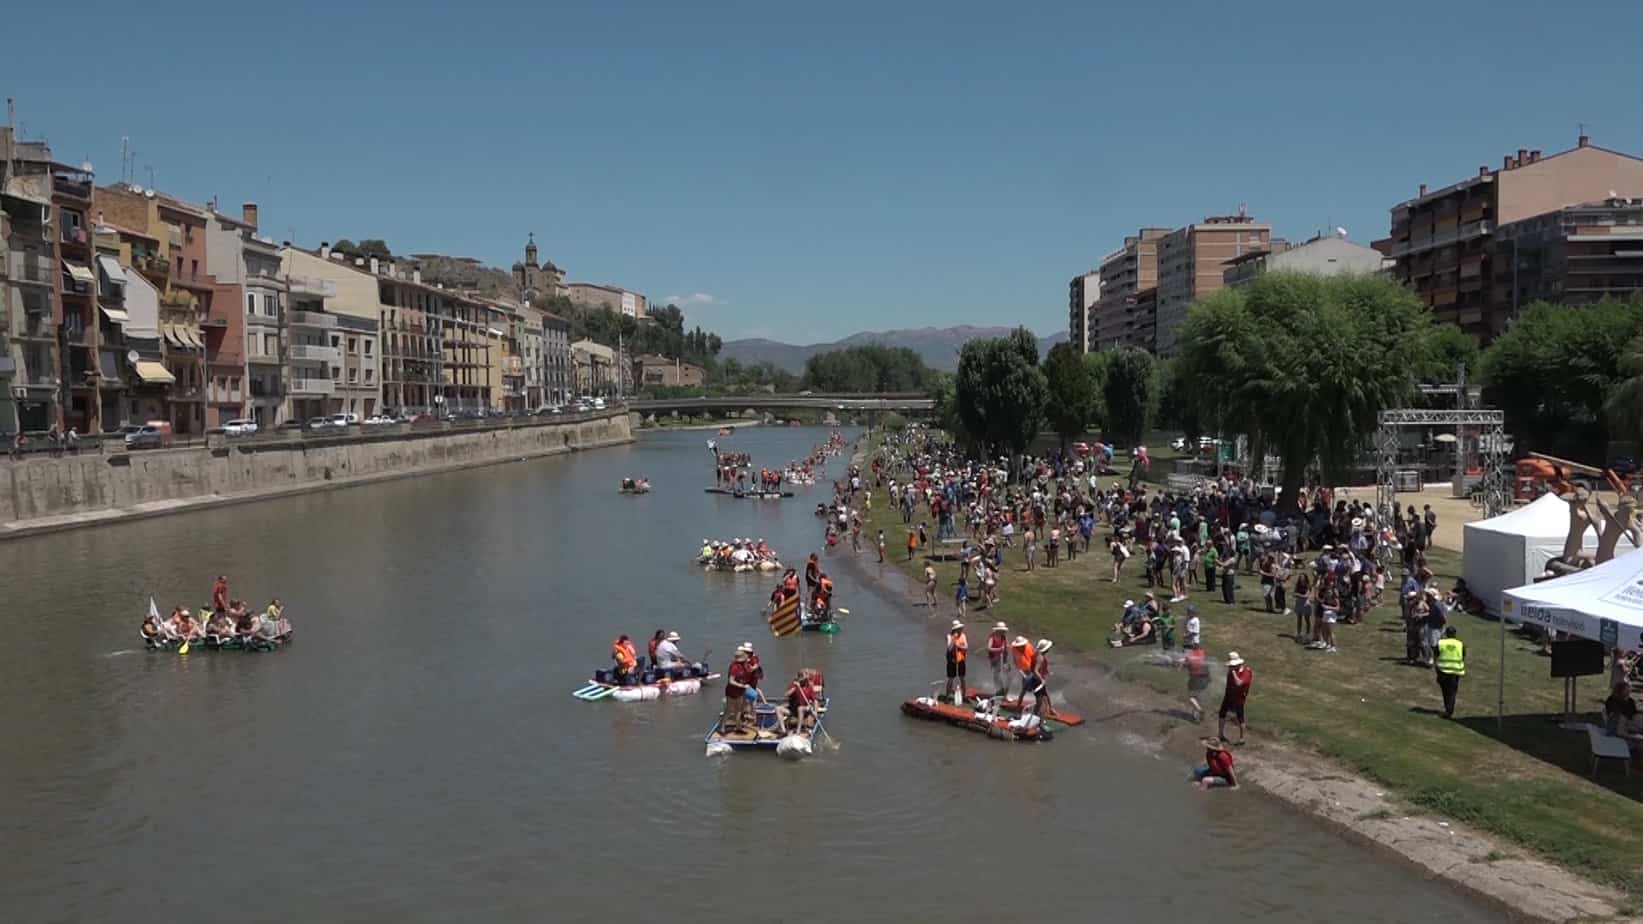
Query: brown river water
{"points": [[415, 754]]}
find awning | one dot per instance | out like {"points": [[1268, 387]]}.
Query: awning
{"points": [[193, 335], [81, 273], [114, 313], [169, 330], [154, 373], [109, 365], [111, 268]]}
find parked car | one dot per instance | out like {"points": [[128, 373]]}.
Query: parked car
{"points": [[121, 431], [422, 420], [291, 424], [598, 404], [379, 420], [321, 423], [151, 435], [243, 426]]}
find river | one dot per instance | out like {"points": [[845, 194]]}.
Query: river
{"points": [[415, 754]]}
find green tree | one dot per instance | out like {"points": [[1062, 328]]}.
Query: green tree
{"points": [[999, 394], [866, 368], [1304, 364], [374, 247], [1173, 396], [1448, 347], [1127, 393], [1071, 403], [1095, 366], [343, 245], [1625, 403], [1554, 369]]}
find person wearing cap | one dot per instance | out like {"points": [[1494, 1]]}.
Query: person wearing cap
{"points": [[958, 651], [1239, 678], [998, 658], [1037, 679], [1217, 767], [739, 681]]}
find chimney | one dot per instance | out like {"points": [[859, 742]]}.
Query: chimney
{"points": [[325, 250], [1522, 156], [1534, 156], [248, 214], [374, 266], [1423, 189], [416, 275], [1506, 162], [1483, 169]]}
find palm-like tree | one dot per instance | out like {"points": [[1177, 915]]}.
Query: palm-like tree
{"points": [[1624, 406]]}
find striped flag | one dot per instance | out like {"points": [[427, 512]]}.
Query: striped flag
{"points": [[785, 620]]}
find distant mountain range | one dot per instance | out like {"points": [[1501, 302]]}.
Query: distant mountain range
{"points": [[938, 346]]}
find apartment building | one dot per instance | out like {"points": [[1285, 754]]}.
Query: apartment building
{"points": [[558, 369], [528, 334], [346, 345], [1126, 309], [1192, 262], [80, 390], [1083, 292], [29, 277], [596, 372], [1444, 244], [437, 345], [611, 298], [1320, 256], [1573, 256], [256, 265]]}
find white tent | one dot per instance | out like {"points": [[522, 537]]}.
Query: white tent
{"points": [[1604, 602], [1513, 548]]}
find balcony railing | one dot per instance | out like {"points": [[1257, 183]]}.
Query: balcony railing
{"points": [[313, 387], [324, 288], [79, 189], [315, 353], [314, 319], [24, 266], [74, 234]]}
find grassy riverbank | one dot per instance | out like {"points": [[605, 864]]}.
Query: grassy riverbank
{"points": [[1527, 782]]}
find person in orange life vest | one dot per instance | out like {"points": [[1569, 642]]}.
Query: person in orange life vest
{"points": [[998, 657], [822, 607], [626, 658], [958, 650], [799, 713], [219, 594], [1036, 679]]}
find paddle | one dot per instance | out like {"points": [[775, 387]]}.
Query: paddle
{"points": [[183, 648]]}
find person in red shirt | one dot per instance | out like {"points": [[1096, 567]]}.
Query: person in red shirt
{"points": [[738, 682], [998, 658], [800, 711], [1239, 678], [958, 651], [1217, 768], [219, 594], [1197, 668]]}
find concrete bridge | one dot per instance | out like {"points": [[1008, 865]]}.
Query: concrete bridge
{"points": [[904, 402]]}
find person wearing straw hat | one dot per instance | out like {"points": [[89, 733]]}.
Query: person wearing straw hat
{"points": [[667, 653], [739, 680], [958, 650], [1217, 767], [1239, 678], [998, 657]]}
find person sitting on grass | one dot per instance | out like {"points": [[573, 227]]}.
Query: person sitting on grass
{"points": [[1140, 633]]}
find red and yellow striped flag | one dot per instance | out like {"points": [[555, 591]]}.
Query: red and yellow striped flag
{"points": [[785, 620]]}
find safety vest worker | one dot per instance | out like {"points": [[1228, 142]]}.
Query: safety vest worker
{"points": [[1451, 657]]}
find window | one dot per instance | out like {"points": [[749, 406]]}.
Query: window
{"points": [[336, 341], [336, 373], [353, 375], [369, 375], [353, 345], [250, 303], [368, 344], [271, 344], [179, 265], [193, 267]]}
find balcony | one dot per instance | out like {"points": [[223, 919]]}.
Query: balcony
{"points": [[314, 320], [28, 267], [513, 365], [321, 288], [74, 234], [314, 353], [304, 388], [69, 186]]}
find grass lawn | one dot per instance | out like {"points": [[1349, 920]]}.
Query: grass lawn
{"points": [[1362, 706]]}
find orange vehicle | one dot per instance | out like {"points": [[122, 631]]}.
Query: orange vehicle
{"points": [[1537, 473]]}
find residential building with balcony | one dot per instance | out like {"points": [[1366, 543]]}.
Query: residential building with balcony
{"points": [[72, 190], [1444, 246], [508, 357], [1126, 309], [249, 270], [528, 333], [558, 369], [353, 361], [113, 368], [596, 372], [1320, 256], [1192, 263], [29, 271], [1573, 256], [438, 345], [1082, 295]]}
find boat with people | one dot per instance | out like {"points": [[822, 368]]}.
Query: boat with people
{"points": [[766, 733], [635, 486], [1015, 706], [750, 722], [739, 555], [985, 718], [661, 672], [750, 493], [230, 626]]}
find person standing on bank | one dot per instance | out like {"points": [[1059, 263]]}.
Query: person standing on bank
{"points": [[1451, 667], [1239, 679]]}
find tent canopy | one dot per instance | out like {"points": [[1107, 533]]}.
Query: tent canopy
{"points": [[1513, 548], [1604, 602]]}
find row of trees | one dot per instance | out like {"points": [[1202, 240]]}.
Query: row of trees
{"points": [[664, 333], [867, 368]]}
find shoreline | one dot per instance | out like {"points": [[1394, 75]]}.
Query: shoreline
{"points": [[706, 426], [40, 526], [1485, 867]]}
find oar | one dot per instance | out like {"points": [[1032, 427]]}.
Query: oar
{"points": [[840, 609], [183, 649]]}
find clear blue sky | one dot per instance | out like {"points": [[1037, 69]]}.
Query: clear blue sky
{"points": [[816, 169]]}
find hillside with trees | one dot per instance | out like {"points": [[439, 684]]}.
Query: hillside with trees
{"points": [[867, 368]]}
